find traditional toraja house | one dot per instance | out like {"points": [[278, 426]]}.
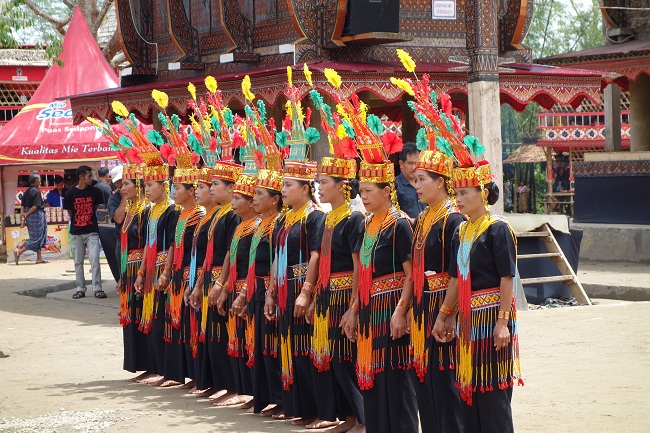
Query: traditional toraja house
{"points": [[626, 56], [476, 55]]}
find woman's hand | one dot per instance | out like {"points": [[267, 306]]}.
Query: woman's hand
{"points": [[118, 287], [350, 327], [186, 297], [302, 302], [501, 334], [344, 320], [269, 307], [196, 298], [398, 324], [444, 330], [138, 285], [309, 314], [213, 295], [221, 301], [162, 283], [239, 305]]}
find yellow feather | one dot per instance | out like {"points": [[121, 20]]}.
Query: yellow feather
{"points": [[211, 84], [333, 77], [290, 75], [307, 73], [192, 89], [161, 98], [246, 88], [403, 84], [120, 109], [406, 59]]}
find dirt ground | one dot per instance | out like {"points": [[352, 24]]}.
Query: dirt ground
{"points": [[587, 369]]}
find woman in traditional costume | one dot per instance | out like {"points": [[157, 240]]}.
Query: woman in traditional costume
{"points": [[177, 326], [262, 342], [334, 355], [433, 362], [482, 266]]}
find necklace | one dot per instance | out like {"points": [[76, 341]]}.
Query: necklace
{"points": [[182, 223], [294, 216], [468, 232], [133, 208], [426, 222], [371, 234], [263, 229], [337, 215], [245, 228], [155, 212]]}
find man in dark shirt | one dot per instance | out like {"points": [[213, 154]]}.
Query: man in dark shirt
{"points": [[407, 196], [54, 198], [81, 202], [103, 183]]}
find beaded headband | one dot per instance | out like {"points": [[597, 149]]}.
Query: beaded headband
{"points": [[227, 171], [300, 170], [383, 172], [245, 185], [435, 162], [269, 179], [474, 176], [338, 167]]}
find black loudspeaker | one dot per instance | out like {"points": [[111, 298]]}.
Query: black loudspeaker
{"points": [[366, 16]]}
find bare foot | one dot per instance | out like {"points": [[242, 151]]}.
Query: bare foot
{"points": [[281, 416], [359, 428], [217, 395], [139, 377], [271, 410], [303, 421], [149, 378], [192, 391], [203, 392], [168, 383], [157, 382], [226, 400], [319, 424], [188, 385], [247, 404], [345, 426], [251, 410]]}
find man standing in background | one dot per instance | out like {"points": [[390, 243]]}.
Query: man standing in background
{"points": [[81, 202], [54, 197], [103, 183], [407, 196]]}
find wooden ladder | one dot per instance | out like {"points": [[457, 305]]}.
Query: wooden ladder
{"points": [[555, 253]]}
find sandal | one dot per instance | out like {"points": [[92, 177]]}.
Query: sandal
{"points": [[99, 294], [41, 262], [79, 295], [16, 257]]}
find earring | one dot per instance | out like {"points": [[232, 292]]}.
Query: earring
{"points": [[347, 192], [484, 195], [167, 189]]}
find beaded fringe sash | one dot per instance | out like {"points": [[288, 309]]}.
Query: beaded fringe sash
{"points": [[151, 298], [133, 263]]}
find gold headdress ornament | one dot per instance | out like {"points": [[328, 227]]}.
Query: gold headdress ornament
{"points": [[218, 121], [134, 147], [342, 146], [260, 149], [245, 185], [296, 134], [441, 131], [373, 142]]}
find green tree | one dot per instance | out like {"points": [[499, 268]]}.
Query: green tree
{"points": [[44, 22]]}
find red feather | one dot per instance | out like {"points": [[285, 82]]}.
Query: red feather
{"points": [[121, 155], [272, 124], [445, 104], [286, 123], [346, 149], [307, 117], [195, 158], [392, 143], [285, 152], [213, 144], [168, 153], [134, 156], [258, 157], [238, 140]]}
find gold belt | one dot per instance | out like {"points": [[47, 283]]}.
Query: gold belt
{"points": [[387, 283], [437, 282]]}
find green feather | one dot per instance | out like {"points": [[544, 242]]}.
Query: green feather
{"points": [[163, 120], [328, 112], [349, 130], [374, 123], [312, 135], [433, 97], [316, 98], [444, 146], [412, 106], [114, 146], [249, 111], [421, 141], [215, 125], [119, 119], [133, 119], [261, 108], [281, 139], [423, 120], [195, 144], [108, 125], [228, 118], [474, 145], [124, 141], [155, 137], [176, 121]]}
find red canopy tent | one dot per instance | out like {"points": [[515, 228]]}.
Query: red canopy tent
{"points": [[43, 131]]}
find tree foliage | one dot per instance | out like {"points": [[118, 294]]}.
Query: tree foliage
{"points": [[561, 26], [44, 22]]}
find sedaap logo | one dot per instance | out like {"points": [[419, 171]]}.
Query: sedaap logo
{"points": [[56, 110]]}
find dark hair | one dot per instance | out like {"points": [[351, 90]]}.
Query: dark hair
{"points": [[82, 170], [273, 193], [226, 182], [189, 185], [383, 185], [354, 184], [436, 176], [409, 149], [103, 171], [493, 192], [310, 183], [58, 179]]}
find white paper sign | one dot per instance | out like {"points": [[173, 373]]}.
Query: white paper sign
{"points": [[443, 9]]}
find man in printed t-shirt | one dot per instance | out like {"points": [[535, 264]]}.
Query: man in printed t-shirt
{"points": [[81, 202]]}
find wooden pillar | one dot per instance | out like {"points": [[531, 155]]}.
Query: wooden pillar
{"points": [[640, 114], [482, 39], [612, 94]]}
